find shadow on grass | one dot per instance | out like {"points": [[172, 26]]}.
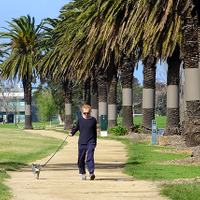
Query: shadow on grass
{"points": [[134, 163]]}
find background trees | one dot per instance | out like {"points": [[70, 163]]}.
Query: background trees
{"points": [[45, 103]]}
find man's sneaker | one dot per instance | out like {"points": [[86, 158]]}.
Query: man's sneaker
{"points": [[92, 176], [83, 176]]}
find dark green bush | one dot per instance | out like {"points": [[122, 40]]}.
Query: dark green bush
{"points": [[117, 130], [137, 128]]}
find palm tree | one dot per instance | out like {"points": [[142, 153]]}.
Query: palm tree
{"points": [[94, 95], [192, 91], [67, 89], [126, 78], [161, 33], [49, 67], [155, 29], [179, 24], [73, 49], [102, 93], [97, 45], [148, 104], [112, 95], [58, 61], [3, 53], [173, 119], [86, 91], [25, 50]]}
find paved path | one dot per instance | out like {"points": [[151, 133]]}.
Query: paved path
{"points": [[60, 180]]}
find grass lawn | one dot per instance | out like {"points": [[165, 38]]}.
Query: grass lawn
{"points": [[161, 121], [182, 192], [18, 148], [142, 164], [40, 125]]}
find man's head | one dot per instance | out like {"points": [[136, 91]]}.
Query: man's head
{"points": [[86, 109]]}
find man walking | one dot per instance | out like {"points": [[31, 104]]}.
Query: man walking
{"points": [[87, 126]]}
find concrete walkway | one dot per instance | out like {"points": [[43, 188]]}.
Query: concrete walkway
{"points": [[59, 179]]}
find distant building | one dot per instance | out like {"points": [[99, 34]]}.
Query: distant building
{"points": [[12, 105]]}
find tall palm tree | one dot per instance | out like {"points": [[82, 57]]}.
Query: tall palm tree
{"points": [[112, 95], [148, 103], [104, 38], [67, 89], [162, 31], [126, 78], [49, 69], [190, 54], [58, 61], [178, 24], [94, 95], [102, 93], [86, 90], [173, 117], [24, 44]]}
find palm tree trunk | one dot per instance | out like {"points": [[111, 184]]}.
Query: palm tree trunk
{"points": [[173, 118], [191, 128], [27, 98], [199, 46], [67, 89], [86, 91], [148, 99], [112, 96], [102, 91], [94, 97], [126, 77]]}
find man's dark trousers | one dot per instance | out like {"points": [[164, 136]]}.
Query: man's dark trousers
{"points": [[84, 149]]}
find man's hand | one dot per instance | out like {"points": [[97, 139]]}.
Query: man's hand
{"points": [[70, 135]]}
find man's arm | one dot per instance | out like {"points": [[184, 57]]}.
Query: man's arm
{"points": [[75, 129]]}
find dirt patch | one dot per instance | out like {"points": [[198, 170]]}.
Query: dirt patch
{"points": [[60, 180]]}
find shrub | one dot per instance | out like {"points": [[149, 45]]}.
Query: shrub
{"points": [[117, 130], [137, 128]]}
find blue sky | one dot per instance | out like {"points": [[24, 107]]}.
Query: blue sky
{"points": [[10, 9], [39, 9]]}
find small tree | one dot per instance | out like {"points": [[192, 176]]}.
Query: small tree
{"points": [[137, 96], [45, 103], [161, 99]]}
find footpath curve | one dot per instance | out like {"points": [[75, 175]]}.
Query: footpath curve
{"points": [[59, 179]]}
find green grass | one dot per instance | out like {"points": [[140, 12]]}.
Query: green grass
{"points": [[161, 121], [143, 161], [182, 191], [34, 124], [4, 190], [142, 165], [18, 148]]}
